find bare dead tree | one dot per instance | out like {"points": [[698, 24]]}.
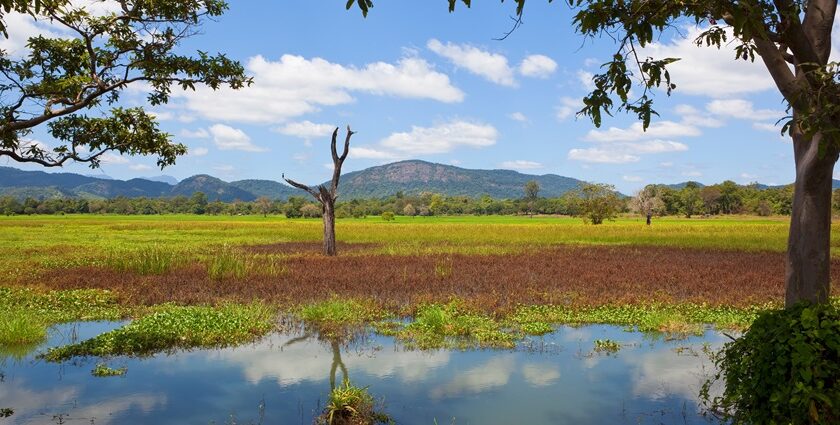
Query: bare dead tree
{"points": [[326, 196]]}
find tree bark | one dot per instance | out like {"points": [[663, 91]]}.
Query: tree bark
{"points": [[329, 228], [807, 276]]}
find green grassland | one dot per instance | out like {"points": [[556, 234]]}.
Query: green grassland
{"points": [[30, 246]]}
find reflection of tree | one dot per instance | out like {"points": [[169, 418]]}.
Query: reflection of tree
{"points": [[337, 362]]}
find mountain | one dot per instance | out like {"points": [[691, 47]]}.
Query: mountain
{"points": [[214, 188], [163, 179], [415, 176], [77, 185], [268, 188]]}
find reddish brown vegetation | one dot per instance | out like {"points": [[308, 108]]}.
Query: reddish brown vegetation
{"points": [[568, 275], [288, 248]]}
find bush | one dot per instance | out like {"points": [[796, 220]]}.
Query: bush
{"points": [[785, 369], [388, 216]]}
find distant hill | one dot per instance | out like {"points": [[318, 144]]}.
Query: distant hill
{"points": [[414, 176], [268, 188], [215, 189], [70, 184], [163, 179]]}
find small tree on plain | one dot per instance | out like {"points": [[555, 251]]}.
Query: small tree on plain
{"points": [[648, 203], [597, 202], [263, 205], [532, 191], [326, 196]]}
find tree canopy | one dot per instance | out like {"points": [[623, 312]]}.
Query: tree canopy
{"points": [[97, 55]]}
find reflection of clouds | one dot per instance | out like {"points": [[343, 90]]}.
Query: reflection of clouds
{"points": [[540, 374], [492, 374], [658, 374], [106, 412], [310, 360], [29, 404]]}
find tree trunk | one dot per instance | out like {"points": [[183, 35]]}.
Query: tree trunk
{"points": [[648, 219], [329, 228], [808, 277]]}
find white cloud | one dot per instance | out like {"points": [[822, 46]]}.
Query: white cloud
{"points": [[632, 178], [767, 127], [541, 374], [708, 71], [742, 109], [747, 176], [306, 129], [140, 167], [491, 66], [667, 164], [518, 116], [229, 138], [197, 134], [162, 115], [198, 152], [603, 156], [371, 153], [625, 152], [585, 78], [538, 66], [693, 116], [636, 132], [21, 28], [442, 138], [521, 164], [692, 173], [568, 107], [111, 158], [294, 86]]}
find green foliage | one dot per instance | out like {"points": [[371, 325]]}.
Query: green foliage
{"points": [[58, 79], [102, 370], [18, 328], [228, 263], [598, 202], [607, 346], [784, 369], [349, 404], [388, 216], [451, 325], [170, 327], [152, 260], [337, 317]]}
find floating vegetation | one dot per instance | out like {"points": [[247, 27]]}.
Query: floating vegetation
{"points": [[102, 370], [607, 346]]}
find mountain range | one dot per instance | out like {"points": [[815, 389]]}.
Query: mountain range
{"points": [[409, 177]]}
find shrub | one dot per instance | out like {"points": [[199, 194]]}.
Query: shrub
{"points": [[388, 216], [785, 369]]}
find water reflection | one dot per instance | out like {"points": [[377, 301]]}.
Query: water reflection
{"points": [[285, 379]]}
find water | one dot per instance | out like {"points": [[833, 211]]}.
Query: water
{"points": [[556, 379]]}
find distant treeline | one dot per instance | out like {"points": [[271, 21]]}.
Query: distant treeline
{"points": [[692, 199]]}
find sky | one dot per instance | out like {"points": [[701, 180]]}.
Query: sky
{"points": [[416, 82]]}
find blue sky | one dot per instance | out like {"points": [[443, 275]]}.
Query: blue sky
{"points": [[417, 82]]}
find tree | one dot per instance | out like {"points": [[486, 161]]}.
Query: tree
{"points": [[263, 205], [648, 203], [326, 196], [532, 190], [690, 200], [793, 40], [597, 202], [198, 203], [409, 210], [58, 79]]}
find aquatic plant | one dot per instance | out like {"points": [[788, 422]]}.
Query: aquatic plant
{"points": [[349, 404], [606, 346], [170, 327], [102, 370]]}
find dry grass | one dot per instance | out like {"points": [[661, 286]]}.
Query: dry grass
{"points": [[574, 276]]}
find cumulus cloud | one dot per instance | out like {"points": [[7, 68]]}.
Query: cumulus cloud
{"points": [[625, 152], [603, 156], [491, 66], [294, 85], [708, 71], [442, 138], [229, 138], [306, 129], [194, 134], [568, 107], [585, 79], [112, 158], [521, 164], [659, 129], [518, 116], [198, 152], [742, 109], [371, 153], [538, 66]]}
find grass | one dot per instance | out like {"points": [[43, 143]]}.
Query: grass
{"points": [[102, 370], [338, 317], [27, 313], [145, 260], [349, 404], [170, 327]]}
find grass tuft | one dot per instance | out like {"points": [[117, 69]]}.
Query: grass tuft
{"points": [[349, 404], [337, 317], [171, 327], [148, 260]]}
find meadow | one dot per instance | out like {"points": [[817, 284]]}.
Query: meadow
{"points": [[488, 279]]}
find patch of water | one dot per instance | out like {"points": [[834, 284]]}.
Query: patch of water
{"points": [[555, 379]]}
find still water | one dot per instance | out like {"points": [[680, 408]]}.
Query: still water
{"points": [[285, 379]]}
